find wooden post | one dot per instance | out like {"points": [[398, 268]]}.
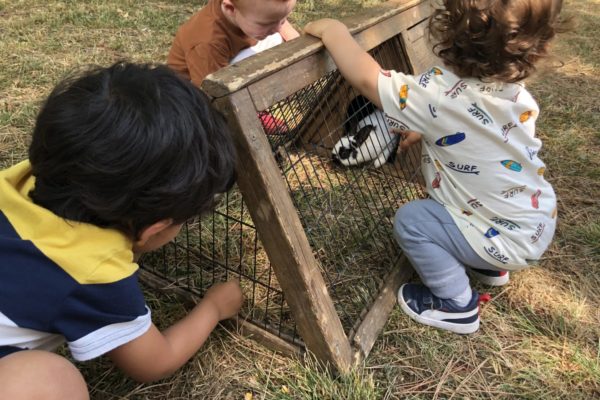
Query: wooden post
{"points": [[282, 234], [374, 321], [255, 84], [268, 74]]}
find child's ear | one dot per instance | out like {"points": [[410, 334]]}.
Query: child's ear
{"points": [[228, 7], [152, 230]]}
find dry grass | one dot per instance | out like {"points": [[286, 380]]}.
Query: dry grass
{"points": [[540, 335]]}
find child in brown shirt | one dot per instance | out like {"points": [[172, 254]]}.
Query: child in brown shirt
{"points": [[212, 37]]}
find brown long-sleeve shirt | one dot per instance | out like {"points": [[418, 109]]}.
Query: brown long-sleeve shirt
{"points": [[206, 43]]}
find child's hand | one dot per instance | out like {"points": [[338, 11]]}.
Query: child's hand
{"points": [[408, 139], [156, 354], [226, 297], [318, 28]]}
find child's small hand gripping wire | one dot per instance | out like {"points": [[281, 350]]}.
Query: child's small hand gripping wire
{"points": [[408, 138]]}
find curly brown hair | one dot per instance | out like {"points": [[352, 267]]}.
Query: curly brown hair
{"points": [[495, 40]]}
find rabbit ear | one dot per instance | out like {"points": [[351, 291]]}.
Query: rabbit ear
{"points": [[362, 134], [358, 108]]}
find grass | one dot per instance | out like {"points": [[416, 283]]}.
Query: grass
{"points": [[540, 335]]}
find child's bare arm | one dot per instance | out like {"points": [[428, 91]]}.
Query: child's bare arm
{"points": [[355, 64], [156, 354]]}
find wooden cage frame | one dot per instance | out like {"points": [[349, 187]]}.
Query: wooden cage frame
{"points": [[262, 81], [255, 84]]}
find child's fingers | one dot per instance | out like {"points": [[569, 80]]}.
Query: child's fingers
{"points": [[227, 297], [316, 28], [401, 133], [311, 29], [404, 146], [412, 137], [408, 139]]}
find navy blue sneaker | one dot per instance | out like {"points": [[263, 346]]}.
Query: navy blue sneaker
{"points": [[489, 277], [423, 306]]}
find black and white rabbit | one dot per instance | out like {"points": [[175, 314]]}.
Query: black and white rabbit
{"points": [[369, 140]]}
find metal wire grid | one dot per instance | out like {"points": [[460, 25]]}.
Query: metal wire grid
{"points": [[346, 213], [217, 247]]}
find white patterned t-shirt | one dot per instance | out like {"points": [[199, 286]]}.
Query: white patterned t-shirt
{"points": [[479, 159]]}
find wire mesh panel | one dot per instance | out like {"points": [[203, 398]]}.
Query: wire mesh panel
{"points": [[220, 246], [346, 211], [321, 180]]}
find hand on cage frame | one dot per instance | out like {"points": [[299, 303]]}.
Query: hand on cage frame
{"points": [[318, 27]]}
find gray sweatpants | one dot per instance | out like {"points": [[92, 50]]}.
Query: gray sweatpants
{"points": [[436, 248]]}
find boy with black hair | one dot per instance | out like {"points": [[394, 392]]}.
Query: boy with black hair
{"points": [[120, 158]]}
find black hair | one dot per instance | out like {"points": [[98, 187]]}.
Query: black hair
{"points": [[127, 146]]}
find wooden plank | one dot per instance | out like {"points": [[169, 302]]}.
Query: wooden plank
{"points": [[390, 26], [418, 31], [282, 344], [266, 338], [159, 283], [398, 15], [419, 48], [283, 237], [278, 85], [377, 316]]}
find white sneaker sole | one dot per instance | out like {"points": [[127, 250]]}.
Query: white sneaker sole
{"points": [[462, 329], [490, 280]]}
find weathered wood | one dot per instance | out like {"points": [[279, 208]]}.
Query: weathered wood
{"points": [[272, 341], [388, 26], [329, 112], [157, 282], [375, 319], [276, 86], [417, 31], [419, 48], [259, 82], [266, 338], [299, 59], [283, 237]]}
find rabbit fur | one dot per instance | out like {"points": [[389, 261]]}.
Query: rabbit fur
{"points": [[369, 140]]}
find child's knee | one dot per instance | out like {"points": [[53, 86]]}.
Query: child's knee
{"points": [[402, 214], [403, 221], [33, 374]]}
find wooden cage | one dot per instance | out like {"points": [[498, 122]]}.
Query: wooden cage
{"points": [[311, 241]]}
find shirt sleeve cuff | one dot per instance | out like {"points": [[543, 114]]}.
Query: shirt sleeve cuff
{"points": [[109, 337]]}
